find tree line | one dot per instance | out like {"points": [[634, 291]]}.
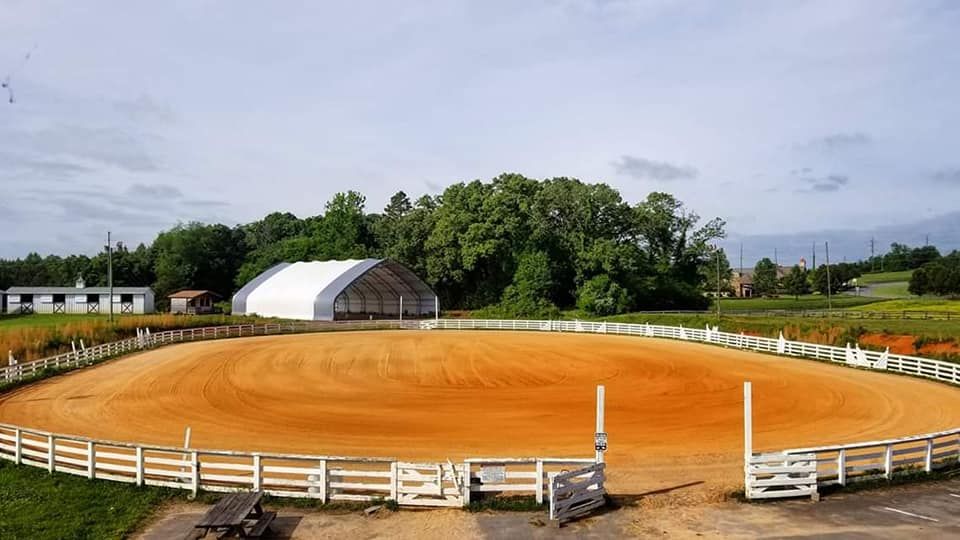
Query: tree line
{"points": [[940, 276], [514, 244]]}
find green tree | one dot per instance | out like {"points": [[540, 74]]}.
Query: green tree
{"points": [[797, 281], [197, 256], [765, 281], [601, 295]]}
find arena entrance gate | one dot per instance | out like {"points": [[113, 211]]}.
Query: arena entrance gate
{"points": [[430, 484]]}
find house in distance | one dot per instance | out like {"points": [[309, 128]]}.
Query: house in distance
{"points": [[193, 302]]}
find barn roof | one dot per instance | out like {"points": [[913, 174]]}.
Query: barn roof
{"points": [[191, 294], [76, 290]]}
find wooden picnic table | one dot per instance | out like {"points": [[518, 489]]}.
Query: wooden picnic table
{"points": [[237, 514]]}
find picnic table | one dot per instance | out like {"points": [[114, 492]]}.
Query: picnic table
{"points": [[237, 514]]}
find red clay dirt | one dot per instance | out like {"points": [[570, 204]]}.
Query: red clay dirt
{"points": [[674, 409], [906, 344]]}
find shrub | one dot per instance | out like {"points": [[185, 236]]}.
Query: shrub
{"points": [[601, 295]]}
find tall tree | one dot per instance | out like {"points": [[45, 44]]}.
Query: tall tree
{"points": [[797, 281], [765, 281]]}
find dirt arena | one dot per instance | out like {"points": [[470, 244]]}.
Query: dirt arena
{"points": [[674, 409]]}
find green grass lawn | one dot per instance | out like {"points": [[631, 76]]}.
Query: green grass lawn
{"points": [[37, 505], [885, 277], [895, 289], [809, 301], [939, 305]]}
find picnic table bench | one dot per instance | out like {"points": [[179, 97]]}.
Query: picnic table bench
{"points": [[237, 514]]}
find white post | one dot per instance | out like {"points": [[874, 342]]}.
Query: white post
{"points": [[539, 481], [323, 481], [600, 432], [394, 481], [467, 480], [928, 458], [747, 435], [51, 453], [888, 462], [842, 467], [91, 460], [140, 465], [436, 309], [257, 471], [401, 308], [195, 473], [18, 446]]}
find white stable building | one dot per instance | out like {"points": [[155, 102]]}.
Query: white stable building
{"points": [[336, 290], [79, 300]]}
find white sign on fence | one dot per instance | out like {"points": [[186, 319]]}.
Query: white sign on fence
{"points": [[493, 474]]}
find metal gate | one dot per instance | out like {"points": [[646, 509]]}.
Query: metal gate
{"points": [[429, 484]]}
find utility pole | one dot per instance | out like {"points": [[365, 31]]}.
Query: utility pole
{"points": [[826, 245], [718, 283], [110, 273], [776, 259], [813, 250], [873, 261], [926, 240]]}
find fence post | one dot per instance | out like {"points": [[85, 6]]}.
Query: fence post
{"points": [[140, 466], [18, 446], [842, 466], [91, 460], [747, 435], [257, 470], [888, 462], [323, 481], [539, 481], [51, 453], [394, 481], [928, 458], [467, 479], [194, 473]]}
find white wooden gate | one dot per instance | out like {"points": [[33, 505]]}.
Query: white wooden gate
{"points": [[576, 493], [778, 475], [429, 484]]}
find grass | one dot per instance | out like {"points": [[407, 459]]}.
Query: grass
{"points": [[30, 337], [896, 289], [808, 302], [37, 505], [939, 305], [885, 277]]}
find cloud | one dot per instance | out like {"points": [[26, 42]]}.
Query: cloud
{"points": [[838, 142], [641, 169], [821, 184], [159, 191], [145, 109], [433, 187], [947, 175]]}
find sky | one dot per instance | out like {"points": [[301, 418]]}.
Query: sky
{"points": [[793, 121]]}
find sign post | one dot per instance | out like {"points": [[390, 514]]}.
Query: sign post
{"points": [[401, 308], [600, 437]]}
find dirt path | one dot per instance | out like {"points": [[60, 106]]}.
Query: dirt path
{"points": [[673, 408]]}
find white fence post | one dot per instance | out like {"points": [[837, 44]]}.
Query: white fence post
{"points": [[600, 434], [747, 435], [18, 446], [928, 458], [91, 460], [394, 480], [888, 461], [140, 465], [51, 453], [324, 482], [842, 467], [257, 472], [539, 481], [195, 473]]}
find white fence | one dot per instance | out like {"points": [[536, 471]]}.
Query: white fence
{"points": [[778, 475], [327, 478], [311, 476]]}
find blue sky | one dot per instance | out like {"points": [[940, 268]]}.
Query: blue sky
{"points": [[789, 120]]}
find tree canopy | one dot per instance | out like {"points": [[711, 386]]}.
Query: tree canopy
{"points": [[531, 246]]}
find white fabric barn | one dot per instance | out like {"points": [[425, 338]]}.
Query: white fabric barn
{"points": [[335, 290]]}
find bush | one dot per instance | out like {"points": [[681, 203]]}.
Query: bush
{"points": [[601, 295]]}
